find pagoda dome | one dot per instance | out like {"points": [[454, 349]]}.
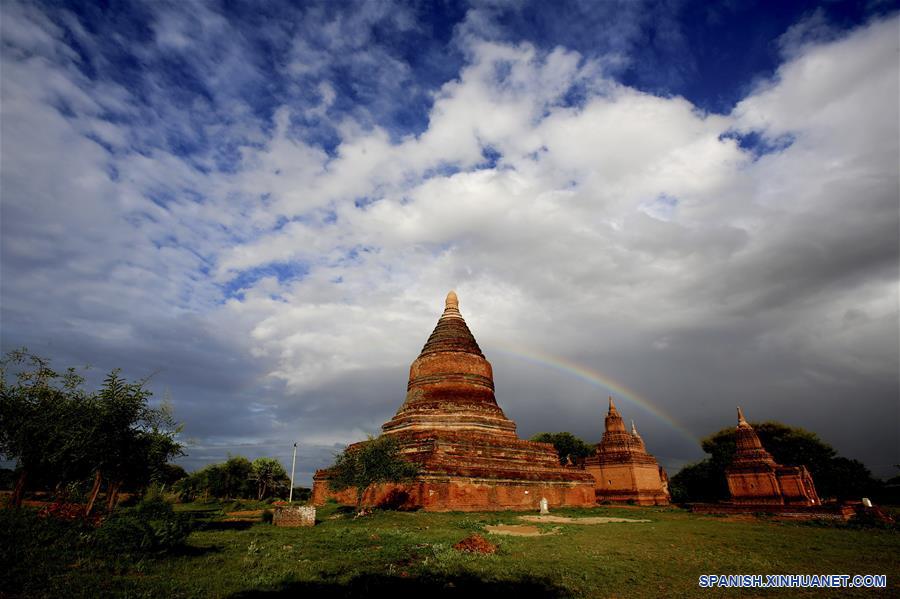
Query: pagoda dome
{"points": [[451, 383]]}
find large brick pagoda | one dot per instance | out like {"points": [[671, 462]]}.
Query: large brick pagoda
{"points": [[467, 449], [755, 478], [622, 469]]}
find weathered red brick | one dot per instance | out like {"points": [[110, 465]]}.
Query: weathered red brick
{"points": [[623, 471], [755, 478], [468, 451]]}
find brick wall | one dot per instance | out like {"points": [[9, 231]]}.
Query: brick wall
{"points": [[294, 515]]}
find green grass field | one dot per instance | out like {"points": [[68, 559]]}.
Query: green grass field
{"points": [[405, 553]]}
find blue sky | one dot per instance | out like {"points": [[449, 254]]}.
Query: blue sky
{"points": [[265, 204]]}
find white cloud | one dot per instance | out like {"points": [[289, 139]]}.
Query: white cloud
{"points": [[622, 221], [559, 222]]}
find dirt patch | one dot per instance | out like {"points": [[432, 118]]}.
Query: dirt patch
{"points": [[516, 530], [591, 520], [475, 544]]}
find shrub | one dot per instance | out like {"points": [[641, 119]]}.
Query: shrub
{"points": [[125, 532], [150, 527], [34, 548], [154, 507]]}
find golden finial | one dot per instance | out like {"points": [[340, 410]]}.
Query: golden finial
{"points": [[451, 306], [452, 301]]}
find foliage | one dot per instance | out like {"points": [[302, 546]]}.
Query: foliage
{"points": [[302, 493], [368, 463], [700, 482], [150, 527], [236, 478], [45, 420], [60, 434], [834, 476], [37, 551], [7, 475], [890, 492], [33, 548], [133, 442], [270, 477], [170, 474], [566, 445]]}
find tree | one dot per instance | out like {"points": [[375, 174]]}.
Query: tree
{"points": [[171, 474], [43, 415], [60, 434], [132, 441], [193, 485], [566, 445], [834, 476], [236, 478], [270, 477], [368, 463]]}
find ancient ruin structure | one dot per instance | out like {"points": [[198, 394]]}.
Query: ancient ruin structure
{"points": [[468, 451], [755, 478], [622, 468]]}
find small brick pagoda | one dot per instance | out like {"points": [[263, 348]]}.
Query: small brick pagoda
{"points": [[623, 471], [468, 451], [755, 478]]}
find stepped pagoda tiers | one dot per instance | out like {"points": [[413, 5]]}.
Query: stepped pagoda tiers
{"points": [[469, 455], [755, 478], [622, 468]]}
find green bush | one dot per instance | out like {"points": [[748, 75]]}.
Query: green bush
{"points": [[125, 532], [150, 527], [33, 549], [154, 507]]}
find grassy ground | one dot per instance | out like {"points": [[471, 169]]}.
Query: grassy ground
{"points": [[409, 553]]}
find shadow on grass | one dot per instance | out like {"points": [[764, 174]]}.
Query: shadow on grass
{"points": [[190, 551], [225, 525], [374, 585]]}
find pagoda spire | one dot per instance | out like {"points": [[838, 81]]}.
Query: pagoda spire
{"points": [[451, 306], [612, 408], [614, 421], [451, 333], [638, 441], [748, 447]]}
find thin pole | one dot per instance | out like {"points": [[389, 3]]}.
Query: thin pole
{"points": [[293, 464]]}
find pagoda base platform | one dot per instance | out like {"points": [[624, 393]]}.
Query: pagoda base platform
{"points": [[632, 497], [634, 479], [829, 511], [457, 494], [466, 471]]}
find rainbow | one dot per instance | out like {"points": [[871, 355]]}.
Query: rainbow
{"points": [[616, 389]]}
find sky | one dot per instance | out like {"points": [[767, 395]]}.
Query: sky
{"points": [[261, 207]]}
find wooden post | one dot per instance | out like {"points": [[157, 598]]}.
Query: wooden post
{"points": [[95, 490], [19, 490]]}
